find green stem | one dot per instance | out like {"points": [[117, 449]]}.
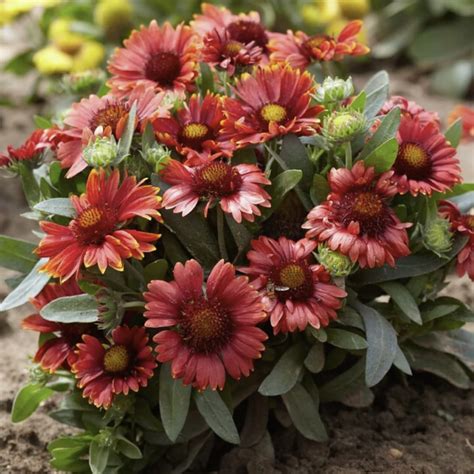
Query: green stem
{"points": [[133, 304], [348, 149], [221, 234]]}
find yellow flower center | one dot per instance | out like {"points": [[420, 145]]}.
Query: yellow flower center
{"points": [[470, 222], [116, 359], [367, 204], [273, 113], [195, 131], [214, 173], [90, 217], [233, 47], [414, 156], [292, 276], [109, 116], [315, 41]]}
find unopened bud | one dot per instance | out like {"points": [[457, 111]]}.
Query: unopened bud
{"points": [[100, 152], [342, 126], [334, 90], [437, 236], [337, 264], [158, 156]]}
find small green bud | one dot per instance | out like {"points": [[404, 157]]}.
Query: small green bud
{"points": [[38, 375], [100, 152], [83, 83], [105, 438], [334, 90], [342, 126], [158, 156], [337, 264], [110, 310], [437, 236]]}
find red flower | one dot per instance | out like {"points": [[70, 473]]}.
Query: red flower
{"points": [[425, 161], [244, 28], [410, 109], [103, 116], [464, 224], [220, 50], [98, 234], [58, 351], [124, 365], [195, 131], [467, 116], [299, 50], [356, 219], [211, 332], [163, 57], [274, 101], [238, 188], [294, 291], [31, 150]]}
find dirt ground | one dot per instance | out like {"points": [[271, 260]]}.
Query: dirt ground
{"points": [[426, 427]]}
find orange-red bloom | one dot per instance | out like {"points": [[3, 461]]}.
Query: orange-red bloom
{"points": [[237, 188], [425, 161], [274, 101], [163, 57], [295, 292], [210, 333], [410, 109], [58, 351], [463, 224], [467, 116], [104, 116], [98, 235], [195, 132], [299, 50], [356, 219], [125, 364]]}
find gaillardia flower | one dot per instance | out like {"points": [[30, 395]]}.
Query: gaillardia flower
{"points": [[98, 235], [210, 333], [425, 161], [299, 50], [58, 351], [195, 132], [163, 57], [274, 101], [356, 219], [410, 109], [102, 116], [104, 371], [463, 224], [295, 292], [237, 188]]}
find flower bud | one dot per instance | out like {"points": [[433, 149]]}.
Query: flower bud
{"points": [[334, 90], [337, 264], [437, 236], [158, 156], [84, 82], [342, 126], [100, 152], [110, 311]]}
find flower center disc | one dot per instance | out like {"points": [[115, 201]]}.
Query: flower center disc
{"points": [[217, 179], [292, 276], [116, 359], [413, 161], [232, 47], [273, 113], [109, 116], [293, 281], [367, 205], [246, 31], [205, 327], [194, 134], [93, 224], [163, 68]]}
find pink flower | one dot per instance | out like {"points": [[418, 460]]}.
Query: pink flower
{"points": [[410, 109]]}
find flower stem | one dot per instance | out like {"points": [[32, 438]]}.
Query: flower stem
{"points": [[220, 234], [348, 155]]}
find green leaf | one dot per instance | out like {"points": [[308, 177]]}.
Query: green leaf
{"points": [[207, 79], [384, 156], [42, 122], [465, 201], [439, 308], [438, 363], [386, 130], [71, 309], [404, 300], [20, 64], [28, 399], [349, 317], [345, 339], [17, 254], [319, 189], [381, 341], [401, 362], [358, 103], [376, 91], [294, 154], [454, 132], [98, 457], [241, 234], [156, 270], [30, 184], [56, 206], [125, 141], [33, 283], [217, 415], [286, 372], [314, 361], [281, 185], [304, 413], [256, 420], [127, 448], [174, 402]]}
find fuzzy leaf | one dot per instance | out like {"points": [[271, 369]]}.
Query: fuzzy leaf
{"points": [[28, 399], [345, 339], [98, 457], [404, 300], [294, 154], [454, 132], [281, 185], [384, 156], [17, 254], [376, 91], [126, 139], [57, 207], [71, 309]]}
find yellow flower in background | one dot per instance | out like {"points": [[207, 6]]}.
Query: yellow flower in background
{"points": [[354, 9], [325, 12], [51, 60], [114, 17], [9, 9], [89, 56]]}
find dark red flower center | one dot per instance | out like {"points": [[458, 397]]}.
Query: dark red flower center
{"points": [[246, 31], [413, 161], [273, 113], [367, 208], [92, 225], [292, 281], [232, 48], [217, 179], [109, 116], [163, 68], [205, 326], [194, 134], [116, 359]]}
